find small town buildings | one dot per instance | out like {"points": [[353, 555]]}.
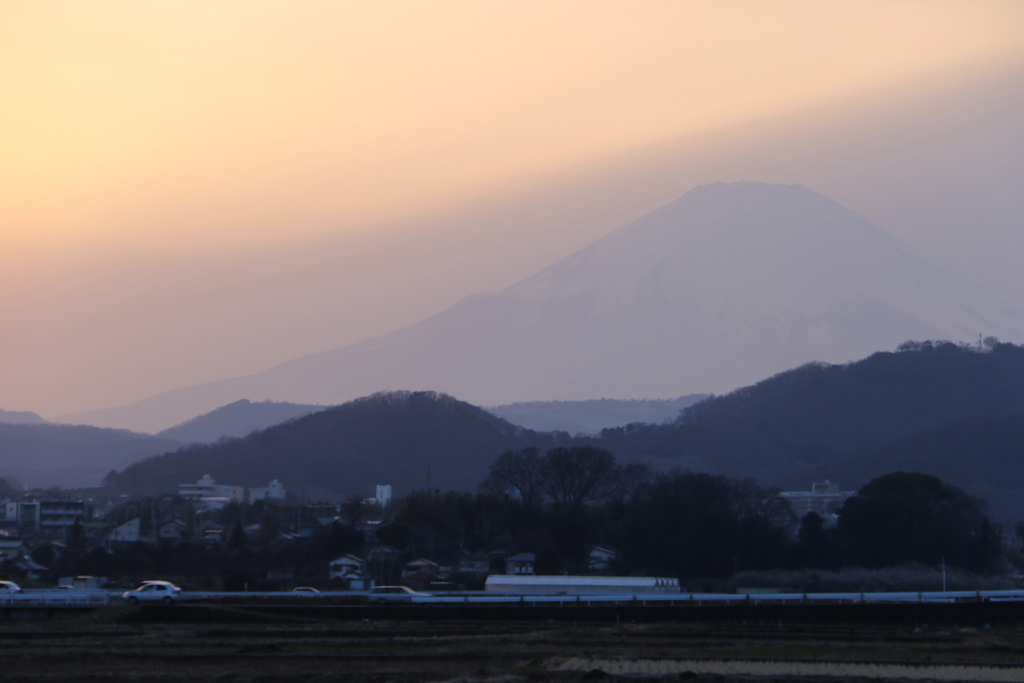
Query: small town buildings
{"points": [[520, 564], [580, 585], [129, 532], [12, 548], [172, 531], [421, 566], [363, 582], [274, 491], [45, 518], [83, 582], [56, 517], [211, 495], [346, 565], [420, 573], [351, 569], [32, 569], [9, 513], [824, 498], [475, 564], [383, 497], [600, 559]]}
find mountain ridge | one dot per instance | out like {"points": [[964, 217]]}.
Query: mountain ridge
{"points": [[410, 440], [20, 417], [849, 422], [72, 456], [235, 420], [718, 289], [590, 417]]}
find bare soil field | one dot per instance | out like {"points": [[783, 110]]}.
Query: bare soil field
{"points": [[130, 644]]}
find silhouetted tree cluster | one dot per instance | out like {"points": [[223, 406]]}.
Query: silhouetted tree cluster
{"points": [[903, 518], [562, 503], [688, 524], [908, 517], [566, 476]]}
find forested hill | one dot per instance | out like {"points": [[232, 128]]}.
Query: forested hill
{"points": [[236, 419], [590, 417], [782, 431], [20, 418], [387, 438], [71, 456], [983, 455], [779, 429]]}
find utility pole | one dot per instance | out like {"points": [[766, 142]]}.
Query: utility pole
{"points": [[943, 575]]}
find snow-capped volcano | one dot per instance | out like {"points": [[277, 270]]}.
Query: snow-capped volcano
{"points": [[723, 287]]}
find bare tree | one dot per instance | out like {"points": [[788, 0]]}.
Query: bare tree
{"points": [[517, 472], [627, 481], [352, 510], [577, 475]]}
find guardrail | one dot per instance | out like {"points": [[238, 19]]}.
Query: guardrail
{"points": [[675, 599], [696, 599], [93, 598], [214, 595], [55, 598]]}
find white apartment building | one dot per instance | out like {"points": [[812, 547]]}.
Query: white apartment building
{"points": [[129, 532], [272, 491], [210, 494], [45, 518], [824, 498], [383, 497]]}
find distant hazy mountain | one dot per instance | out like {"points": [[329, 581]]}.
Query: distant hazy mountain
{"points": [[725, 286], [71, 456], [20, 418], [398, 438], [590, 417], [236, 419], [853, 422]]}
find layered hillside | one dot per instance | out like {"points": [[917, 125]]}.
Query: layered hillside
{"points": [[782, 429], [590, 417], [721, 288], [397, 438], [71, 456], [983, 455], [20, 417], [236, 419]]}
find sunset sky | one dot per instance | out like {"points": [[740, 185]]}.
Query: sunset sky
{"points": [[192, 190]]}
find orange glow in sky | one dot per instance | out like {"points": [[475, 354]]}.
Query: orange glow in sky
{"points": [[199, 189], [189, 123]]}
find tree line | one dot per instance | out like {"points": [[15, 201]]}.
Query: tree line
{"points": [[561, 503]]}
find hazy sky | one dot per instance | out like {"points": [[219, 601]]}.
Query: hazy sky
{"points": [[197, 190]]}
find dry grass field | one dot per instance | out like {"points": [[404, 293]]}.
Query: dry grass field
{"points": [[126, 644]]}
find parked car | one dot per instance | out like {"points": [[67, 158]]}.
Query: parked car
{"points": [[153, 591], [387, 595], [9, 588], [306, 592]]}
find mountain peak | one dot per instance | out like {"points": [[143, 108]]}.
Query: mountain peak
{"points": [[730, 283]]}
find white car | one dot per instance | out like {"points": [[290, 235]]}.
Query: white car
{"points": [[9, 588], [387, 595], [306, 592], [153, 591]]}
